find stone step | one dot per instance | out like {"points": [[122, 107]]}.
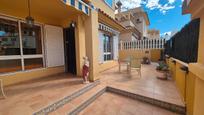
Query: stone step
{"points": [[90, 97], [58, 104], [76, 103]]}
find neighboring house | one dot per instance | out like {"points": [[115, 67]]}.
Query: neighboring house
{"points": [[63, 33], [136, 22], [153, 34], [168, 36]]}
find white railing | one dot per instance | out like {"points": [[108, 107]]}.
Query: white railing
{"points": [[79, 5], [142, 44]]}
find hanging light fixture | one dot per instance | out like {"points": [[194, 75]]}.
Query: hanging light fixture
{"points": [[29, 19]]}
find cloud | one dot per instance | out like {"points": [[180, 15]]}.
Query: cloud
{"points": [[154, 4], [171, 1], [150, 4], [165, 8]]}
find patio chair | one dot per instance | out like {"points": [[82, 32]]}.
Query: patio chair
{"points": [[135, 64], [2, 90], [125, 62]]}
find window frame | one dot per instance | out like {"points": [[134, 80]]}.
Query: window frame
{"points": [[22, 56], [106, 52]]}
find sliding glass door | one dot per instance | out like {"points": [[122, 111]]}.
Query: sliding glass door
{"points": [[20, 46]]}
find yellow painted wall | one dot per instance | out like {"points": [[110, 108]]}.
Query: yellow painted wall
{"points": [[190, 93], [60, 18], [201, 40], [155, 55], [172, 68], [123, 54], [107, 65], [92, 43], [103, 6], [80, 44], [180, 79], [17, 77], [199, 97], [185, 84]]}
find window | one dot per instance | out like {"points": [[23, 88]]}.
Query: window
{"points": [[9, 38], [31, 39], [108, 48], [19, 52], [109, 2]]}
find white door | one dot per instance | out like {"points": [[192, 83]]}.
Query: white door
{"points": [[54, 44]]}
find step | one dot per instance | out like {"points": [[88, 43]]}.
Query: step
{"points": [[77, 102], [67, 99], [86, 100]]}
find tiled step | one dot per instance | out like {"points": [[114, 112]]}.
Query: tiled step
{"points": [[77, 102], [162, 104], [93, 96], [54, 106]]}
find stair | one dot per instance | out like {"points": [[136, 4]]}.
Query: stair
{"points": [[78, 101], [54, 106]]}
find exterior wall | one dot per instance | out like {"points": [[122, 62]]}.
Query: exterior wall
{"points": [[29, 75], [107, 65], [185, 82], [126, 36], [196, 8], [127, 23], [155, 55], [92, 44], [16, 77], [80, 44], [201, 40], [190, 92], [102, 5], [123, 54], [180, 79]]}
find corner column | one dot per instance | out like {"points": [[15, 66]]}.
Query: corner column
{"points": [[92, 43]]}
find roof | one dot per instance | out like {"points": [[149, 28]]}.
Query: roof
{"points": [[106, 19]]}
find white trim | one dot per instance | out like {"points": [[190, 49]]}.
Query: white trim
{"points": [[32, 56], [21, 57], [107, 28], [12, 57]]}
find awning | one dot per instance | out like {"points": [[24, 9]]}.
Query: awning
{"points": [[46, 11], [109, 21]]}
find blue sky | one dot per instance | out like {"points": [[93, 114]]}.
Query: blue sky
{"points": [[164, 15]]}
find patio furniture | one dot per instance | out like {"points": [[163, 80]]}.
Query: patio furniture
{"points": [[2, 90], [124, 62], [136, 65]]}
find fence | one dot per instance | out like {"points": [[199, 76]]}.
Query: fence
{"points": [[142, 44], [184, 44]]}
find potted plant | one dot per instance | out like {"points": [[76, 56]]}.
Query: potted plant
{"points": [[164, 68], [146, 60]]}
